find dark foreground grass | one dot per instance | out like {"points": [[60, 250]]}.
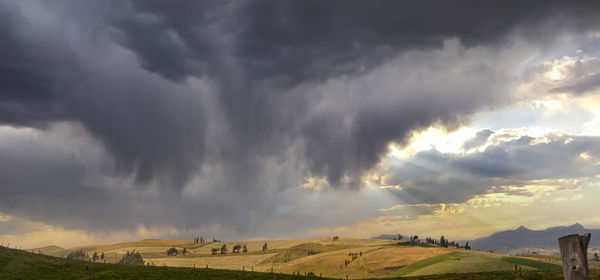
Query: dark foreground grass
{"points": [[17, 264], [527, 275]]}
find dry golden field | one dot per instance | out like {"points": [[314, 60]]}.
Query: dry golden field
{"points": [[322, 256]]}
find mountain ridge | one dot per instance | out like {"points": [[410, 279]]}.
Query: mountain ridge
{"points": [[523, 237]]}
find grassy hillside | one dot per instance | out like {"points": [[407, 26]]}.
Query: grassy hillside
{"points": [[457, 262], [323, 256], [17, 264]]}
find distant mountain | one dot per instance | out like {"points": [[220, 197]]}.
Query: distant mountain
{"points": [[523, 237]]}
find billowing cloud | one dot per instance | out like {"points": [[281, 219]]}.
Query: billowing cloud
{"points": [[509, 159], [212, 116]]}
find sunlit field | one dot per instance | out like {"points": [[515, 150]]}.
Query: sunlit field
{"points": [[344, 257]]}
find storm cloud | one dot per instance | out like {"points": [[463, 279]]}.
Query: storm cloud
{"points": [[188, 105]]}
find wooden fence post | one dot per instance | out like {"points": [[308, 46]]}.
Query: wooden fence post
{"points": [[573, 250]]}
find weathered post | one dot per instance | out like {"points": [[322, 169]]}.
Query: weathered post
{"points": [[573, 250]]}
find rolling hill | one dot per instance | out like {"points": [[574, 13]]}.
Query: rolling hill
{"points": [[19, 264], [352, 257]]}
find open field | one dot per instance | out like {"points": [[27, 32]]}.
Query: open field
{"points": [[18, 264], [372, 258]]}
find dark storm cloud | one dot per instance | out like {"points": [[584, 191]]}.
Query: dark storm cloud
{"points": [[52, 69], [220, 107], [257, 50], [435, 177], [28, 75], [300, 40]]}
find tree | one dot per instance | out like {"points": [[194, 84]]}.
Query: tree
{"points": [[224, 249], [172, 252], [265, 247], [133, 258], [236, 248], [184, 251], [78, 255], [335, 238], [244, 249], [400, 236], [102, 256], [214, 250], [596, 257], [443, 241], [95, 257], [467, 247], [413, 239]]}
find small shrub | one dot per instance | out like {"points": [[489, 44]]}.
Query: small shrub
{"points": [[172, 252], [132, 258]]}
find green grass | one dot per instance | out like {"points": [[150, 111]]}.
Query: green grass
{"points": [[467, 263], [503, 275], [532, 263], [421, 264]]}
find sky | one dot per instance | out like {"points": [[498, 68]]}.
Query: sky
{"points": [[239, 120]]}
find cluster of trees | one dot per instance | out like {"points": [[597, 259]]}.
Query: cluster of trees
{"points": [[413, 239], [172, 251], [83, 256], [428, 242], [95, 257], [353, 257], [223, 249], [132, 258], [198, 240], [78, 255], [237, 248], [445, 243]]}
